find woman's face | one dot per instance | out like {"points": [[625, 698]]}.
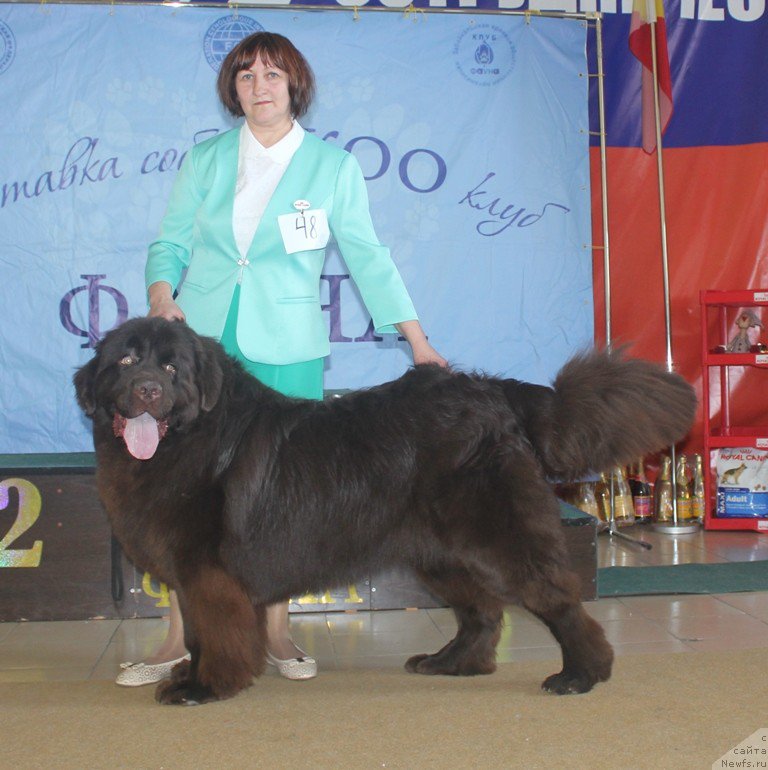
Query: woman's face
{"points": [[262, 91]]}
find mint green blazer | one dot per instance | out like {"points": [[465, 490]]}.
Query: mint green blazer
{"points": [[280, 320]]}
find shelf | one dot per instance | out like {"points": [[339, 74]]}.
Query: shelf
{"points": [[727, 436], [736, 359], [755, 437], [737, 523], [738, 298]]}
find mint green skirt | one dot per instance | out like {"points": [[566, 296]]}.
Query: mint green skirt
{"points": [[300, 380]]}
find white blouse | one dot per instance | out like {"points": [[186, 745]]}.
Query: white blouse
{"points": [[259, 171]]}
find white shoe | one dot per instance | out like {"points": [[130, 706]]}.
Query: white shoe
{"points": [[302, 667], [138, 674]]}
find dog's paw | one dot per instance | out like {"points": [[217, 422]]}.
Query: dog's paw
{"points": [[180, 672], [566, 683], [414, 665], [177, 692], [437, 664]]}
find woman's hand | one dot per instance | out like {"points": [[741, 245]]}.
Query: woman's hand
{"points": [[422, 351], [161, 303], [426, 354]]}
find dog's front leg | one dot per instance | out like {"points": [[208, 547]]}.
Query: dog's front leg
{"points": [[225, 638]]}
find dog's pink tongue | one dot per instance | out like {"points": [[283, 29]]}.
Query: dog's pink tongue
{"points": [[141, 436]]}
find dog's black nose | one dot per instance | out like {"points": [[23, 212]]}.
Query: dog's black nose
{"points": [[148, 390]]}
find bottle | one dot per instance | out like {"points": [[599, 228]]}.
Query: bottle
{"points": [[623, 508], [585, 499], [684, 494], [662, 497], [642, 493], [698, 489], [602, 494]]}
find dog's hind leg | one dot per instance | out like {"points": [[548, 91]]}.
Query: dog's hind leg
{"points": [[587, 655], [514, 548], [551, 592], [224, 635], [537, 577], [473, 649]]}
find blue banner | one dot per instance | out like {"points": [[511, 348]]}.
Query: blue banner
{"points": [[472, 132], [717, 61]]}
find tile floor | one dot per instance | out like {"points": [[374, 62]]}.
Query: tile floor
{"points": [[75, 650]]}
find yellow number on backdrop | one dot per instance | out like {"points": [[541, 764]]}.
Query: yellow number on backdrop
{"points": [[326, 598], [147, 585], [352, 597], [30, 504], [161, 594]]}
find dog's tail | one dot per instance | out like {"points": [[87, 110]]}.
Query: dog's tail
{"points": [[602, 410]]}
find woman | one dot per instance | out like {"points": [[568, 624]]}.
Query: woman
{"points": [[249, 217]]}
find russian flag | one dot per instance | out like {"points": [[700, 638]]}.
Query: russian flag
{"points": [[647, 18]]}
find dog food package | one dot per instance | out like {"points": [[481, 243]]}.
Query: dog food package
{"points": [[742, 482]]}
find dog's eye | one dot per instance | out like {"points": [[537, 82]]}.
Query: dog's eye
{"points": [[170, 368], [127, 361]]}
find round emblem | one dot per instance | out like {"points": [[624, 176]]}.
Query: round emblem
{"points": [[7, 46], [484, 54], [224, 34]]}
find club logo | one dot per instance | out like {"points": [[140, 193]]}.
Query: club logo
{"points": [[484, 54], [224, 34], [7, 47]]}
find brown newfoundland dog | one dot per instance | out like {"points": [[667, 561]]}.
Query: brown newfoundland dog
{"points": [[237, 496]]}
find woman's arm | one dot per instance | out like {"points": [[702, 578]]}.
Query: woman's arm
{"points": [[373, 271], [371, 265], [161, 302], [170, 253], [423, 352]]}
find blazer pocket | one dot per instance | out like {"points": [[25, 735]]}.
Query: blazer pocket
{"points": [[194, 286], [296, 300]]}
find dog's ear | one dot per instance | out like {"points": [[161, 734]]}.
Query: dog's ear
{"points": [[209, 373], [85, 386]]}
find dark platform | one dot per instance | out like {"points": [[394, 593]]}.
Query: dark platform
{"points": [[56, 560]]}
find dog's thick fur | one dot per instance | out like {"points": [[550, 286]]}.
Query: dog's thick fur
{"points": [[252, 497]]}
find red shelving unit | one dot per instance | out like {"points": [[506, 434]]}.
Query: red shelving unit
{"points": [[726, 305]]}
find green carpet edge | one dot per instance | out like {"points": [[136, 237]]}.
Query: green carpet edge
{"points": [[719, 578]]}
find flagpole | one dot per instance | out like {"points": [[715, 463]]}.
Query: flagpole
{"points": [[613, 529], [675, 527], [603, 181], [662, 198]]}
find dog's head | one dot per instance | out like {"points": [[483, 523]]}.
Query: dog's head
{"points": [[150, 376]]}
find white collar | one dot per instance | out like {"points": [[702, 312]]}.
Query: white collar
{"points": [[280, 152]]}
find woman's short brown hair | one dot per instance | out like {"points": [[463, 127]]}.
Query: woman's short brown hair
{"points": [[273, 49]]}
